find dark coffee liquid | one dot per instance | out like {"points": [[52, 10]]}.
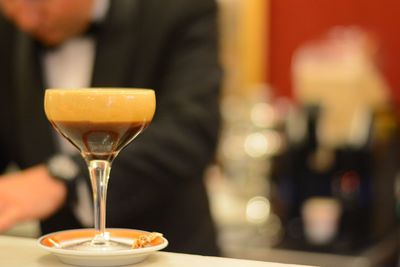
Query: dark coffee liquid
{"points": [[99, 140]]}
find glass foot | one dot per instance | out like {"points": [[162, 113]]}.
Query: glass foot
{"points": [[93, 245]]}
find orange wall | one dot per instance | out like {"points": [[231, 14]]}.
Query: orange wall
{"points": [[294, 21]]}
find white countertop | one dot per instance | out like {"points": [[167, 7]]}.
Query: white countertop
{"points": [[18, 252]]}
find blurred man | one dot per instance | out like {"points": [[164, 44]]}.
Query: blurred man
{"points": [[156, 182]]}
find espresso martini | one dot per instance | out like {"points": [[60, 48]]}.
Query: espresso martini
{"points": [[99, 122]]}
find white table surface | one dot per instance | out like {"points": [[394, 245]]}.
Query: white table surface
{"points": [[24, 252]]}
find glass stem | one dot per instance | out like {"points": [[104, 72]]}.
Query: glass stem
{"points": [[99, 174]]}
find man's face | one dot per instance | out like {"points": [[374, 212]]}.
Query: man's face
{"points": [[49, 21]]}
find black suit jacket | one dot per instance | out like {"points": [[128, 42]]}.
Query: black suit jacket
{"points": [[156, 182]]}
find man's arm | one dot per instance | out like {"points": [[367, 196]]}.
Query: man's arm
{"points": [[181, 141], [29, 194]]}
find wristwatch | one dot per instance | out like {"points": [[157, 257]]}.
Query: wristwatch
{"points": [[62, 168]]}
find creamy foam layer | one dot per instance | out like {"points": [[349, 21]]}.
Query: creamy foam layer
{"points": [[100, 104]]}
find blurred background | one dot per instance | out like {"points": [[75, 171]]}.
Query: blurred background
{"points": [[308, 166], [307, 169]]}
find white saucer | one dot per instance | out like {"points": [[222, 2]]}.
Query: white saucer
{"points": [[54, 244]]}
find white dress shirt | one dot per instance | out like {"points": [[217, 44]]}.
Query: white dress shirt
{"points": [[71, 66]]}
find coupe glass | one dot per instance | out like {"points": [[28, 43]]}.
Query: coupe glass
{"points": [[99, 122]]}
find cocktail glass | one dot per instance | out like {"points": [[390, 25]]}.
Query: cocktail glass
{"points": [[100, 122]]}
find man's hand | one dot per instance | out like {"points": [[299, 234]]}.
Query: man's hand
{"points": [[29, 194]]}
